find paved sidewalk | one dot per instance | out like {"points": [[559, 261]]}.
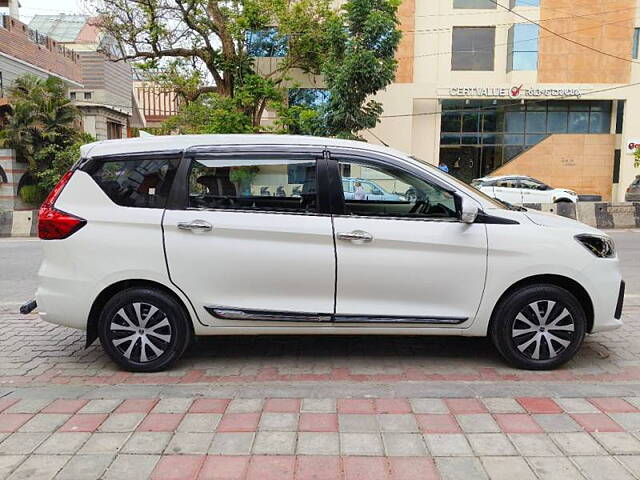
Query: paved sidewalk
{"points": [[320, 438], [317, 407]]}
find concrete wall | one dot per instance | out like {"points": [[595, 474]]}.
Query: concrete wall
{"points": [[583, 163]]}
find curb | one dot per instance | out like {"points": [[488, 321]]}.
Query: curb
{"points": [[603, 215]]}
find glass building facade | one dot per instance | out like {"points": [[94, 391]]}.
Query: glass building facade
{"points": [[478, 136]]}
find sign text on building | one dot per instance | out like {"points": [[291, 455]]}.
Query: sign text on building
{"points": [[513, 92]]}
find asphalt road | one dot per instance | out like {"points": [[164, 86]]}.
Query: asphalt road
{"points": [[20, 259]]}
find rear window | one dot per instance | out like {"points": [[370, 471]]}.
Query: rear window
{"points": [[142, 183]]}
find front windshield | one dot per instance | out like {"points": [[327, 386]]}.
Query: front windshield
{"points": [[463, 186]]}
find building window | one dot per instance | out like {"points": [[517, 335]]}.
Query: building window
{"points": [[308, 97], [266, 43], [87, 95], [524, 3], [620, 116], [473, 48], [72, 95], [636, 42], [523, 47], [114, 130], [479, 4], [498, 131]]}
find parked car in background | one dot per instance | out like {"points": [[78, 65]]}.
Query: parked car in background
{"points": [[520, 189], [633, 192], [363, 189], [149, 242]]}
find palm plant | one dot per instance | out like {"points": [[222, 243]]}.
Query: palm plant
{"points": [[41, 116]]}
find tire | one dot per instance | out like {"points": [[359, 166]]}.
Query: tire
{"points": [[152, 337], [526, 339]]}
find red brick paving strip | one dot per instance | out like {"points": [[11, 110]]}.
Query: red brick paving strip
{"points": [[239, 422], [84, 422], [272, 467], [137, 405], [596, 422], [318, 422], [223, 467], [465, 405], [318, 468], [392, 405], [355, 405], [613, 405], [160, 422], [517, 423], [539, 405], [209, 405]]}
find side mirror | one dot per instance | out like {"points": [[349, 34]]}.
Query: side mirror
{"points": [[468, 210]]}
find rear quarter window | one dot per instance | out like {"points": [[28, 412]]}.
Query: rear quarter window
{"points": [[141, 183]]}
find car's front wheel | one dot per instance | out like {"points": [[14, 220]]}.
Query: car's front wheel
{"points": [[538, 327], [144, 330]]}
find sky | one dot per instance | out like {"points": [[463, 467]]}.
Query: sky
{"points": [[29, 8]]}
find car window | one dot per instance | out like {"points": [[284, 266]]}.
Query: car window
{"points": [[142, 183], [346, 185], [532, 184], [507, 183], [280, 185], [391, 192]]}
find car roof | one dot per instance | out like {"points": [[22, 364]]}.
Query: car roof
{"points": [[184, 142]]}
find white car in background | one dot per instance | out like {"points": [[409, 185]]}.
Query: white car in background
{"points": [[520, 189]]}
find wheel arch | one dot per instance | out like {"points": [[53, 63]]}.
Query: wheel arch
{"points": [[113, 289], [567, 283]]}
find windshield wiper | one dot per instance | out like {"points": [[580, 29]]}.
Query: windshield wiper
{"points": [[510, 206]]}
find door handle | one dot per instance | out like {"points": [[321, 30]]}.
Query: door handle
{"points": [[196, 226], [357, 236]]}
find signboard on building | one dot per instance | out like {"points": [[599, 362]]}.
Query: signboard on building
{"points": [[515, 91], [632, 145]]}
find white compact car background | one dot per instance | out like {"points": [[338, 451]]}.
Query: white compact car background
{"points": [[149, 242], [518, 189]]}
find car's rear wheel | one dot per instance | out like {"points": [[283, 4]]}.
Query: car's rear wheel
{"points": [[144, 330], [539, 327]]}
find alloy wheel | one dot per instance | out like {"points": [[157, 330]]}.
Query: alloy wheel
{"points": [[140, 332], [543, 329]]}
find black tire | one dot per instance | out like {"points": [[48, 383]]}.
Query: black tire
{"points": [[553, 334], [158, 338]]}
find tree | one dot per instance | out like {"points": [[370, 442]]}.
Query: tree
{"points": [[200, 46], [361, 62], [41, 115]]}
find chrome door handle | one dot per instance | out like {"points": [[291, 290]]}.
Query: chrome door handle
{"points": [[357, 236], [196, 226]]}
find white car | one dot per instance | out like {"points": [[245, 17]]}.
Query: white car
{"points": [[519, 189], [149, 242]]}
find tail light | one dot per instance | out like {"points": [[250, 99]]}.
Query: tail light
{"points": [[54, 224]]}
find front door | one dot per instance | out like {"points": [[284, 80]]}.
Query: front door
{"points": [[404, 259], [252, 245]]}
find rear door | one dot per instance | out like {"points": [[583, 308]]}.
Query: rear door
{"points": [[508, 190], [247, 258]]}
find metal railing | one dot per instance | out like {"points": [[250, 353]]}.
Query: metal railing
{"points": [[9, 23]]}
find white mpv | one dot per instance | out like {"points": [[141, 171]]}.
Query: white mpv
{"points": [[149, 242]]}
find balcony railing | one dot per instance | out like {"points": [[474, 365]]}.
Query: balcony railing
{"points": [[36, 37]]}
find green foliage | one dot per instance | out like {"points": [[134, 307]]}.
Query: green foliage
{"points": [[60, 160], [361, 62], [41, 116], [32, 194], [636, 158]]}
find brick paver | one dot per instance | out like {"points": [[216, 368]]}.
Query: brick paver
{"points": [[397, 408], [278, 442]]}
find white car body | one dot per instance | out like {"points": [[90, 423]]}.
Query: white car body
{"points": [[411, 278], [520, 189]]}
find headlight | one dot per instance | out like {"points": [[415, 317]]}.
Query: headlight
{"points": [[602, 247]]}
